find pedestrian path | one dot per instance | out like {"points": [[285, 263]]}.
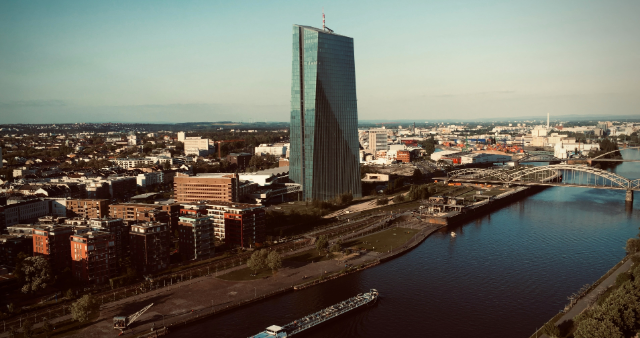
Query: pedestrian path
{"points": [[584, 302]]}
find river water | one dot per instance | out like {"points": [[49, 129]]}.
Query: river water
{"points": [[504, 275]]}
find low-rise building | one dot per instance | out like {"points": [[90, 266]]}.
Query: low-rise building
{"points": [[133, 162], [94, 258], [150, 245]]}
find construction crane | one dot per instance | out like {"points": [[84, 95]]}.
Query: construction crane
{"points": [[122, 323], [220, 145]]}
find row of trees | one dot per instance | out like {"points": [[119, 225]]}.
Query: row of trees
{"points": [[617, 316]]}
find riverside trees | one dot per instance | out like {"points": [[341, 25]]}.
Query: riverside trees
{"points": [[262, 258]]}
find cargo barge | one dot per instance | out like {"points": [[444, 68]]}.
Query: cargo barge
{"points": [[321, 316]]}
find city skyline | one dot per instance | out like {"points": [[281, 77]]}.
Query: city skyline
{"points": [[82, 62]]}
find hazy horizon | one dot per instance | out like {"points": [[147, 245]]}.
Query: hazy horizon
{"points": [[189, 61]]}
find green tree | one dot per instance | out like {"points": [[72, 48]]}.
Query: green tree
{"points": [[551, 330], [257, 260], [633, 246], [274, 261], [82, 308], [592, 328], [37, 274], [322, 243]]}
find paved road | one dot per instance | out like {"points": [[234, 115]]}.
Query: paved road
{"points": [[584, 301]]}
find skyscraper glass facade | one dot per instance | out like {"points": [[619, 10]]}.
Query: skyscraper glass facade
{"points": [[324, 115]]}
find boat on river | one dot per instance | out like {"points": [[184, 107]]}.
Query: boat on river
{"points": [[321, 316], [453, 234]]}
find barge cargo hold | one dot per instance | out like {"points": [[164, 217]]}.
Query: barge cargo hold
{"points": [[321, 316]]}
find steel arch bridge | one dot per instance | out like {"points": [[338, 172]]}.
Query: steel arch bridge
{"points": [[572, 175], [611, 152], [539, 158]]}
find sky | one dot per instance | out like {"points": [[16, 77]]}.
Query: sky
{"points": [[191, 61]]}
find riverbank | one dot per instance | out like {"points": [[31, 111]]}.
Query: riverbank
{"points": [[564, 319]]}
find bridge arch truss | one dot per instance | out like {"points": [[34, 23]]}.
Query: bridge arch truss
{"points": [[579, 176]]}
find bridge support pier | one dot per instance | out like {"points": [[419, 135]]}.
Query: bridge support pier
{"points": [[629, 197]]}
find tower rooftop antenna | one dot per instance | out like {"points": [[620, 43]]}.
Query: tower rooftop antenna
{"points": [[324, 27]]}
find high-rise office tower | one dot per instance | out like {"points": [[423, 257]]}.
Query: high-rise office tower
{"points": [[324, 114]]}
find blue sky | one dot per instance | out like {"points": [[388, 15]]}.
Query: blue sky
{"points": [[181, 61]]}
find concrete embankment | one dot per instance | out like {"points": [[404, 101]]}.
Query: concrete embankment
{"points": [[483, 207]]}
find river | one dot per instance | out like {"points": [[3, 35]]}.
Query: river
{"points": [[504, 275]]}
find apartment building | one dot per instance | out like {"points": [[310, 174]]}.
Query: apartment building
{"points": [[196, 237], [93, 256], [52, 242], [277, 149], [197, 146], [150, 178], [150, 246], [140, 212], [239, 159], [23, 212], [245, 225], [133, 162], [206, 187], [240, 226], [88, 208], [116, 227]]}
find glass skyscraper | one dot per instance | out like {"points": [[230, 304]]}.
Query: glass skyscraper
{"points": [[324, 155]]}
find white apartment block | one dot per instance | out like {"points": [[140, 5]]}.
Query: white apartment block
{"points": [[147, 179], [133, 162], [277, 149], [196, 146]]}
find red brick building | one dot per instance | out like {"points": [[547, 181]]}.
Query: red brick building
{"points": [[93, 256], [150, 246], [403, 156], [244, 225], [206, 187], [53, 243]]}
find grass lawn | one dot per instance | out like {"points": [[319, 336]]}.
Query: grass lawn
{"points": [[244, 274], [297, 260], [384, 240], [306, 257]]}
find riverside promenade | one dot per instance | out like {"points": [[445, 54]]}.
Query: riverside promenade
{"points": [[201, 297], [590, 297]]}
